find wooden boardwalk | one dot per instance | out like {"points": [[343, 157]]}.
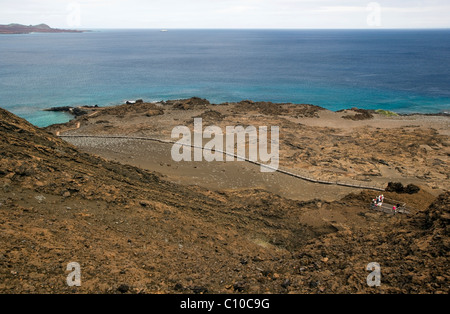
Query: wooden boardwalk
{"points": [[289, 172], [388, 207]]}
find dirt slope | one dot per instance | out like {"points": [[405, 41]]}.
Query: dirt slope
{"points": [[133, 232]]}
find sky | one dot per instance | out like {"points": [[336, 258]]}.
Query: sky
{"points": [[291, 14]]}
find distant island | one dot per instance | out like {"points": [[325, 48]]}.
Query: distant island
{"points": [[41, 28]]}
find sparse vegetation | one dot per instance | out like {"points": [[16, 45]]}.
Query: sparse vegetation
{"points": [[386, 113]]}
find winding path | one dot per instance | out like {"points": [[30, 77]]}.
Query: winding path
{"points": [[295, 175]]}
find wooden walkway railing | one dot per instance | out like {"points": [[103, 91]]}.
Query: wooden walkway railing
{"points": [[388, 207]]}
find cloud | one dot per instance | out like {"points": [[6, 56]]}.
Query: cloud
{"points": [[228, 13], [342, 9], [239, 9]]}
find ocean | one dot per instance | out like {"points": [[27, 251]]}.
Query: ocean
{"points": [[404, 71]]}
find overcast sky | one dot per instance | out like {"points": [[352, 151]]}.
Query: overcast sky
{"points": [[228, 13]]}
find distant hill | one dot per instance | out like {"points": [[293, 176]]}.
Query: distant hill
{"points": [[24, 29]]}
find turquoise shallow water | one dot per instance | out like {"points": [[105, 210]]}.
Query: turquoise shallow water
{"points": [[404, 71]]}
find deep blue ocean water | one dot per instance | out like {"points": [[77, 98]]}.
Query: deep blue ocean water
{"points": [[401, 70]]}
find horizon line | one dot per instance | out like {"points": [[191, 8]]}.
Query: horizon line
{"points": [[234, 28], [255, 28]]}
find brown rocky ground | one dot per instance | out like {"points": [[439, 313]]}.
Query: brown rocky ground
{"points": [[133, 229], [315, 142]]}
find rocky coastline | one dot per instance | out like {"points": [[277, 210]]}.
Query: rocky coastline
{"points": [[27, 29]]}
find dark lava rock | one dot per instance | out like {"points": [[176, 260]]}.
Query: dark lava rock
{"points": [[399, 188], [313, 284], [239, 286], [78, 112], [199, 290], [178, 287], [123, 288], [412, 189], [187, 104], [361, 114], [395, 187]]}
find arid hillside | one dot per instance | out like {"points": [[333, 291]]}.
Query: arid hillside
{"points": [[132, 231]]}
